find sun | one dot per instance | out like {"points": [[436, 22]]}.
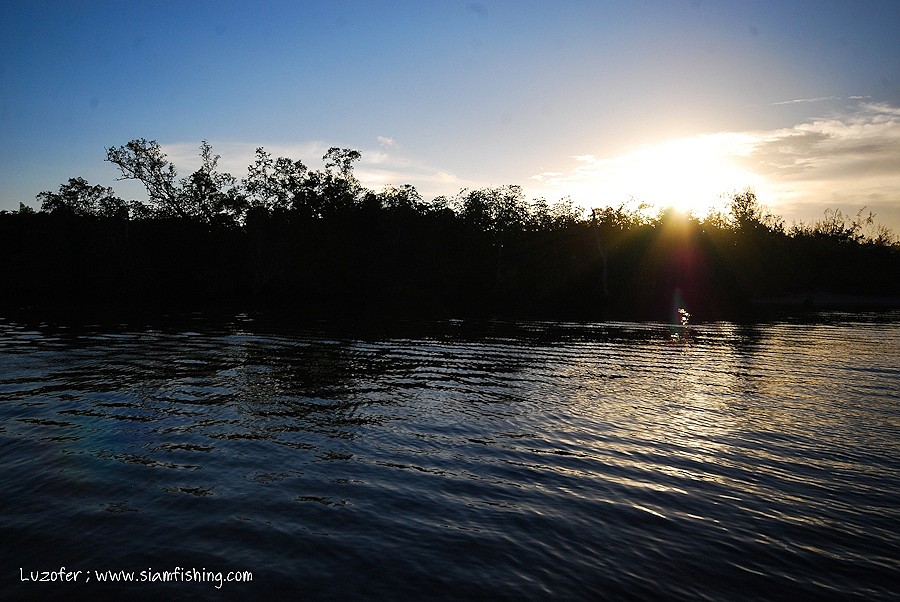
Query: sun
{"points": [[691, 175]]}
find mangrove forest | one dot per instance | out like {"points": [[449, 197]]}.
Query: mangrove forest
{"points": [[316, 243]]}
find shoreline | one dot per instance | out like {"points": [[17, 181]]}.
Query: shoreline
{"points": [[815, 301], [760, 309]]}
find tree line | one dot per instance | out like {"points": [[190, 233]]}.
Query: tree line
{"points": [[315, 242]]}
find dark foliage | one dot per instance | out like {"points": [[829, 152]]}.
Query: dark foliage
{"points": [[315, 243]]}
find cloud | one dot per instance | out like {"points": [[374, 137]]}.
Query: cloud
{"points": [[847, 159], [804, 100], [396, 170], [445, 177], [817, 99], [386, 141], [857, 146]]}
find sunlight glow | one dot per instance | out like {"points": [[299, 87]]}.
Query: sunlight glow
{"points": [[691, 175]]}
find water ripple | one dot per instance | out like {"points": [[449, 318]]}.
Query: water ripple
{"points": [[510, 460]]}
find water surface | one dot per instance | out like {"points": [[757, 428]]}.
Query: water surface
{"points": [[455, 460]]}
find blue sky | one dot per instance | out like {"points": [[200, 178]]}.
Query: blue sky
{"points": [[662, 102]]}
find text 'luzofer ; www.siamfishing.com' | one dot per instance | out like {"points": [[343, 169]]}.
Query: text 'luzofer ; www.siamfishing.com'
{"points": [[149, 575]]}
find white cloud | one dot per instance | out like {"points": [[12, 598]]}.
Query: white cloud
{"points": [[445, 177], [396, 170], [386, 141], [375, 158]]}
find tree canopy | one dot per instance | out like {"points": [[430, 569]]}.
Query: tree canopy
{"points": [[316, 240]]}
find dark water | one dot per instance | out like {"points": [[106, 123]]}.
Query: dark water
{"points": [[492, 461]]}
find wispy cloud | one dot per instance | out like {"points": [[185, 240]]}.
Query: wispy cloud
{"points": [[819, 99], [391, 169], [386, 141], [805, 100]]}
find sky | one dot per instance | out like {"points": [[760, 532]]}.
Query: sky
{"points": [[667, 102]]}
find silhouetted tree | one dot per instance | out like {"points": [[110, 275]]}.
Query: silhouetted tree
{"points": [[621, 218], [343, 159], [144, 161], [304, 239], [401, 199], [748, 214], [338, 189], [78, 197], [494, 210], [286, 185], [206, 195], [840, 227], [212, 195], [565, 213], [275, 184]]}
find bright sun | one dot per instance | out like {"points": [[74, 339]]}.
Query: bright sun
{"points": [[687, 174]]}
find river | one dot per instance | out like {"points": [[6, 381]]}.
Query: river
{"points": [[239, 459]]}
